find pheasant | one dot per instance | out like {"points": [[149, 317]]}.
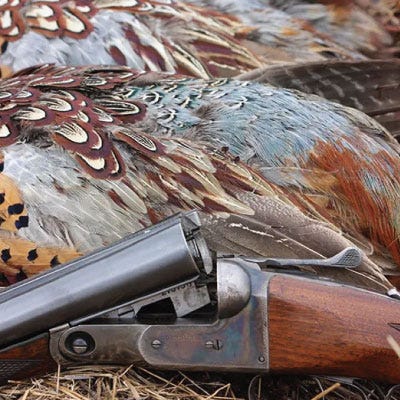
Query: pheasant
{"points": [[164, 35], [161, 35], [333, 160], [224, 39], [312, 30], [92, 154]]}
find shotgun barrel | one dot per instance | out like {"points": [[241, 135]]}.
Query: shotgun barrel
{"points": [[153, 259]]}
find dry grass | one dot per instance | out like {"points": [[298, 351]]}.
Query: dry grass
{"points": [[112, 383]]}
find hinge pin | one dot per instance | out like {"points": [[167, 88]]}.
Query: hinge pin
{"points": [[80, 345]]}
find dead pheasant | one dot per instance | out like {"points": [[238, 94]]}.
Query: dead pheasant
{"points": [[313, 30], [223, 39], [332, 160], [82, 168], [164, 35], [159, 35]]}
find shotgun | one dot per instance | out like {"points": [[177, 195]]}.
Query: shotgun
{"points": [[160, 298]]}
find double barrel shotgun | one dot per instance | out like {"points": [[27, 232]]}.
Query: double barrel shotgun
{"points": [[160, 298]]}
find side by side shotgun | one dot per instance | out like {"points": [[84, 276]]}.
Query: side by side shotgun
{"points": [[160, 298]]}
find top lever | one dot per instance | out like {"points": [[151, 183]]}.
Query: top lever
{"points": [[350, 257]]}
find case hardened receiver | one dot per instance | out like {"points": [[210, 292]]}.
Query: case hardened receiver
{"points": [[231, 335], [233, 338], [152, 262]]}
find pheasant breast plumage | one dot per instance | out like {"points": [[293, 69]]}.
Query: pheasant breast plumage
{"points": [[75, 178]]}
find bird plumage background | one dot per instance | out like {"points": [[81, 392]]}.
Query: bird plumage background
{"points": [[77, 137], [223, 39], [96, 153], [90, 154]]}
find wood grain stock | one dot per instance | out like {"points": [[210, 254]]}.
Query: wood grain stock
{"points": [[320, 328], [26, 359]]}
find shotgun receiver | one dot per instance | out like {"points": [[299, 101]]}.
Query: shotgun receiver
{"points": [[159, 298]]}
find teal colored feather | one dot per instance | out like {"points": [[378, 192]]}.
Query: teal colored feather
{"points": [[285, 133], [258, 122]]}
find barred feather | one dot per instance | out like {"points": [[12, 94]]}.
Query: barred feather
{"points": [[370, 86]]}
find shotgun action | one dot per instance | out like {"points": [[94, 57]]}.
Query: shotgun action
{"points": [[160, 298]]}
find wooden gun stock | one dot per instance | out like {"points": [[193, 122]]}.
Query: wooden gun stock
{"points": [[317, 328], [26, 359]]}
